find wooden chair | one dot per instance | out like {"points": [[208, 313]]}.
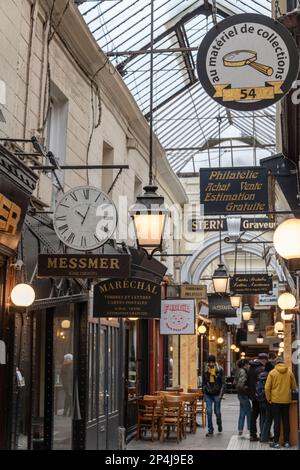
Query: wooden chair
{"points": [[172, 417], [164, 393], [190, 410], [174, 389], [147, 417], [201, 405]]}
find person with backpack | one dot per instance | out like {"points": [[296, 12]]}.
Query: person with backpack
{"points": [[213, 384], [264, 406], [256, 367], [241, 385]]}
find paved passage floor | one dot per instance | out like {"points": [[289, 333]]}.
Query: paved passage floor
{"points": [[228, 440]]}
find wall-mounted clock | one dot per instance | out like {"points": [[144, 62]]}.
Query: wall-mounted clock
{"points": [[85, 218]]}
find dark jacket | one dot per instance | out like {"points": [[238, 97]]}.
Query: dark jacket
{"points": [[255, 369], [218, 387]]}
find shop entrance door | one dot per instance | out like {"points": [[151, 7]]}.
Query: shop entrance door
{"points": [[103, 413]]}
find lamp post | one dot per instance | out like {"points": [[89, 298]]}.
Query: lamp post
{"points": [[149, 213], [202, 330]]}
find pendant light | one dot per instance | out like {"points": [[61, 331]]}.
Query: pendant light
{"points": [[286, 316], [202, 329], [246, 312], [22, 295], [149, 214], [287, 301], [235, 301], [278, 327], [251, 326], [260, 339], [220, 277], [220, 340]]}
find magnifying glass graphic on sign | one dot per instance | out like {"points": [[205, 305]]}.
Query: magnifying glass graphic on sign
{"points": [[245, 57]]}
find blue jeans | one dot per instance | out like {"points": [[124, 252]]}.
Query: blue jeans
{"points": [[211, 400], [245, 412]]}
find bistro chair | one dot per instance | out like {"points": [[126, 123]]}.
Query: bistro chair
{"points": [[174, 389], [172, 417], [201, 405], [164, 393], [147, 418], [190, 410]]}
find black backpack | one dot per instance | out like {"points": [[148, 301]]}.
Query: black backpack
{"points": [[260, 387]]}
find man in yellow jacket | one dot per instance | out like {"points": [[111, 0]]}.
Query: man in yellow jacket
{"points": [[279, 386]]}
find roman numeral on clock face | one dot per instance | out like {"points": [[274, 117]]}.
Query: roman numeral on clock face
{"points": [[71, 238], [86, 193], [61, 217], [63, 228], [83, 241], [73, 196]]}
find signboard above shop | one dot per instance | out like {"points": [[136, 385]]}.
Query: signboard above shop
{"points": [[272, 299], [190, 291], [247, 225], [219, 306], [177, 317], [133, 297], [248, 62], [242, 190], [251, 284]]}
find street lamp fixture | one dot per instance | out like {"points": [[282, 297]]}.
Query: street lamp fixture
{"points": [[22, 295], [246, 312], [220, 340], [287, 316], [260, 339], [251, 326], [278, 327], [220, 279], [149, 213], [235, 301], [237, 350], [202, 329], [233, 347]]}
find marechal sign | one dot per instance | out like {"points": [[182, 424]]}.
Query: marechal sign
{"points": [[219, 306], [215, 225], [133, 297], [248, 62], [190, 291], [177, 317], [83, 266], [241, 190], [251, 284]]}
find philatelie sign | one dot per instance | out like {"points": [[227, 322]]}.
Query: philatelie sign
{"points": [[131, 297], [177, 317], [240, 190], [83, 266], [248, 62]]}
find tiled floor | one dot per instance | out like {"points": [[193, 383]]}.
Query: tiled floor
{"points": [[227, 440]]}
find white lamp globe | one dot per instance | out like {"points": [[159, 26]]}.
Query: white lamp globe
{"points": [[281, 345], [233, 347], [202, 330], [286, 316], [220, 340], [65, 324], [22, 295], [287, 301], [278, 327], [287, 239], [237, 350]]}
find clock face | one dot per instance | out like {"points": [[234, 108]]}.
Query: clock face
{"points": [[85, 218]]}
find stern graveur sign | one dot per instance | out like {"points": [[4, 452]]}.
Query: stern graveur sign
{"points": [[248, 62]]}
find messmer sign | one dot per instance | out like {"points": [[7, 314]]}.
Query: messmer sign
{"points": [[248, 62]]}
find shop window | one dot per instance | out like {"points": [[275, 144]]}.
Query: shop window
{"points": [[132, 359], [107, 159]]}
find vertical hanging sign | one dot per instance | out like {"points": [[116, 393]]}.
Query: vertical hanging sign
{"points": [[248, 62]]}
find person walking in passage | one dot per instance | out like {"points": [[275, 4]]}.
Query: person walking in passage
{"points": [[279, 386], [241, 385], [264, 406], [213, 387], [256, 367], [66, 376]]}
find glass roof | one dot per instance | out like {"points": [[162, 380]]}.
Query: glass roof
{"points": [[195, 130]]}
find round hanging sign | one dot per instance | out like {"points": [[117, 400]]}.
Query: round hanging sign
{"points": [[248, 62]]}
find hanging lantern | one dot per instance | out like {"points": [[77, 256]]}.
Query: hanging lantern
{"points": [[202, 329], [220, 279], [246, 312], [287, 239], [235, 301], [287, 301], [278, 327], [22, 295], [149, 216], [260, 339], [251, 326], [286, 316]]}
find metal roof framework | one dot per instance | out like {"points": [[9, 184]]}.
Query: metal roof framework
{"points": [[189, 124]]}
